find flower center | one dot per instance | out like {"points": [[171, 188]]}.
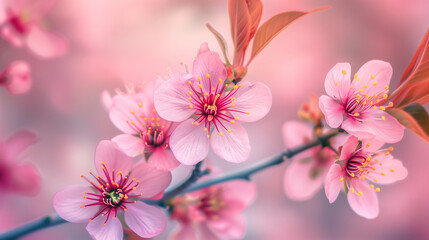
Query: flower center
{"points": [[153, 137], [356, 166], [210, 108], [113, 193], [212, 202]]}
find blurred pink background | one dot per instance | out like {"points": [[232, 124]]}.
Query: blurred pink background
{"points": [[132, 40]]}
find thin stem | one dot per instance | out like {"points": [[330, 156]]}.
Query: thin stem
{"points": [[185, 187], [245, 175]]}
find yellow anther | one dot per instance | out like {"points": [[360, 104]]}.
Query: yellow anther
{"points": [[361, 90], [364, 103], [356, 114], [351, 87], [140, 104], [360, 193], [221, 133], [81, 175], [390, 149], [341, 179], [206, 94], [367, 145], [358, 96], [391, 104], [352, 174], [392, 169], [373, 168], [353, 190], [366, 85], [344, 72], [134, 188], [235, 87], [385, 96], [374, 83], [190, 93], [190, 106], [199, 78], [371, 186], [232, 121], [357, 79], [355, 75], [207, 75], [190, 99], [383, 118], [383, 174], [208, 135], [229, 130], [372, 77], [189, 82], [377, 189], [387, 153], [132, 112], [200, 85], [232, 99], [375, 107], [382, 108], [237, 118], [376, 179], [220, 80], [248, 113], [103, 163], [386, 87], [233, 105]]}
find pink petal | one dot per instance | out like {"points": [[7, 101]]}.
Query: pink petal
{"points": [[152, 181], [357, 128], [296, 133], [298, 184], [67, 204], [163, 159], [36, 9], [45, 44], [112, 230], [235, 227], [126, 113], [390, 171], [233, 146], [189, 143], [106, 99], [183, 232], [337, 84], [252, 98], [332, 110], [108, 152], [373, 71], [371, 145], [349, 147], [18, 77], [365, 205], [209, 63], [239, 190], [3, 15], [171, 99], [204, 47], [388, 130], [24, 180], [12, 36], [149, 95], [145, 220], [207, 234], [129, 144], [19, 142], [333, 184]]}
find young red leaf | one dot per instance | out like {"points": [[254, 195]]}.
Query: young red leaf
{"points": [[255, 11], [240, 28], [414, 87], [414, 117], [221, 42], [272, 27]]}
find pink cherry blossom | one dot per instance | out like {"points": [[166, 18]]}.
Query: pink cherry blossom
{"points": [[118, 188], [21, 25], [214, 212], [306, 174], [18, 178], [358, 106], [355, 167], [16, 77], [210, 110], [145, 132]]}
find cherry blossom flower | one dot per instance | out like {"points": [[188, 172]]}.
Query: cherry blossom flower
{"points": [[306, 174], [358, 106], [22, 179], [119, 188], [16, 77], [146, 132], [214, 212], [355, 167], [210, 111], [21, 25]]}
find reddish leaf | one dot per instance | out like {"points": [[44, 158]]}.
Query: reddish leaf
{"points": [[255, 11], [414, 117], [414, 87], [272, 27], [221, 42], [240, 28]]}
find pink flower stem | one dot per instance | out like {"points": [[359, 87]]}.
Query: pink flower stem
{"points": [[185, 187]]}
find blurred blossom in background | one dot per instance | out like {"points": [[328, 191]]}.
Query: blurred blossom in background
{"points": [[112, 42]]}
